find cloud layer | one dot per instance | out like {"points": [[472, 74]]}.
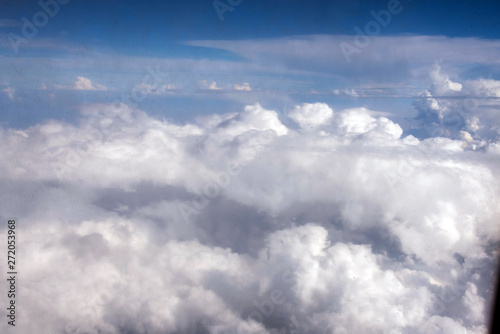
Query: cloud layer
{"points": [[337, 222]]}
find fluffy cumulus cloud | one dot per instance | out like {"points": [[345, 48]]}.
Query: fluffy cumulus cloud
{"points": [[236, 223], [455, 109], [311, 115]]}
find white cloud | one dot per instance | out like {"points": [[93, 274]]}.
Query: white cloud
{"points": [[449, 108], [357, 121], [352, 228], [209, 86], [81, 83], [442, 84], [345, 92], [157, 90], [169, 87], [310, 115], [213, 86], [9, 91], [483, 87], [245, 87], [253, 118], [85, 84]]}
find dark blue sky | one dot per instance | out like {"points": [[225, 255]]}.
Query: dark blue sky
{"points": [[151, 27]]}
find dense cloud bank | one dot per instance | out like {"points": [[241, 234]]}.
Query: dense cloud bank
{"points": [[235, 223]]}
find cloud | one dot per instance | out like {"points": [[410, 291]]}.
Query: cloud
{"points": [[350, 226], [81, 83], [345, 92], [253, 118], [85, 84], [157, 90], [291, 65], [357, 121], [392, 57], [311, 115], [483, 87], [442, 84], [209, 86], [451, 108], [244, 87], [9, 91]]}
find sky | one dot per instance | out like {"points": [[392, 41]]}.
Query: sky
{"points": [[285, 50], [297, 167]]}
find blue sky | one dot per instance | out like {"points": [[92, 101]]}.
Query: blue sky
{"points": [[286, 51]]}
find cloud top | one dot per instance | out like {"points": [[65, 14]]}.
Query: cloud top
{"points": [[344, 224]]}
